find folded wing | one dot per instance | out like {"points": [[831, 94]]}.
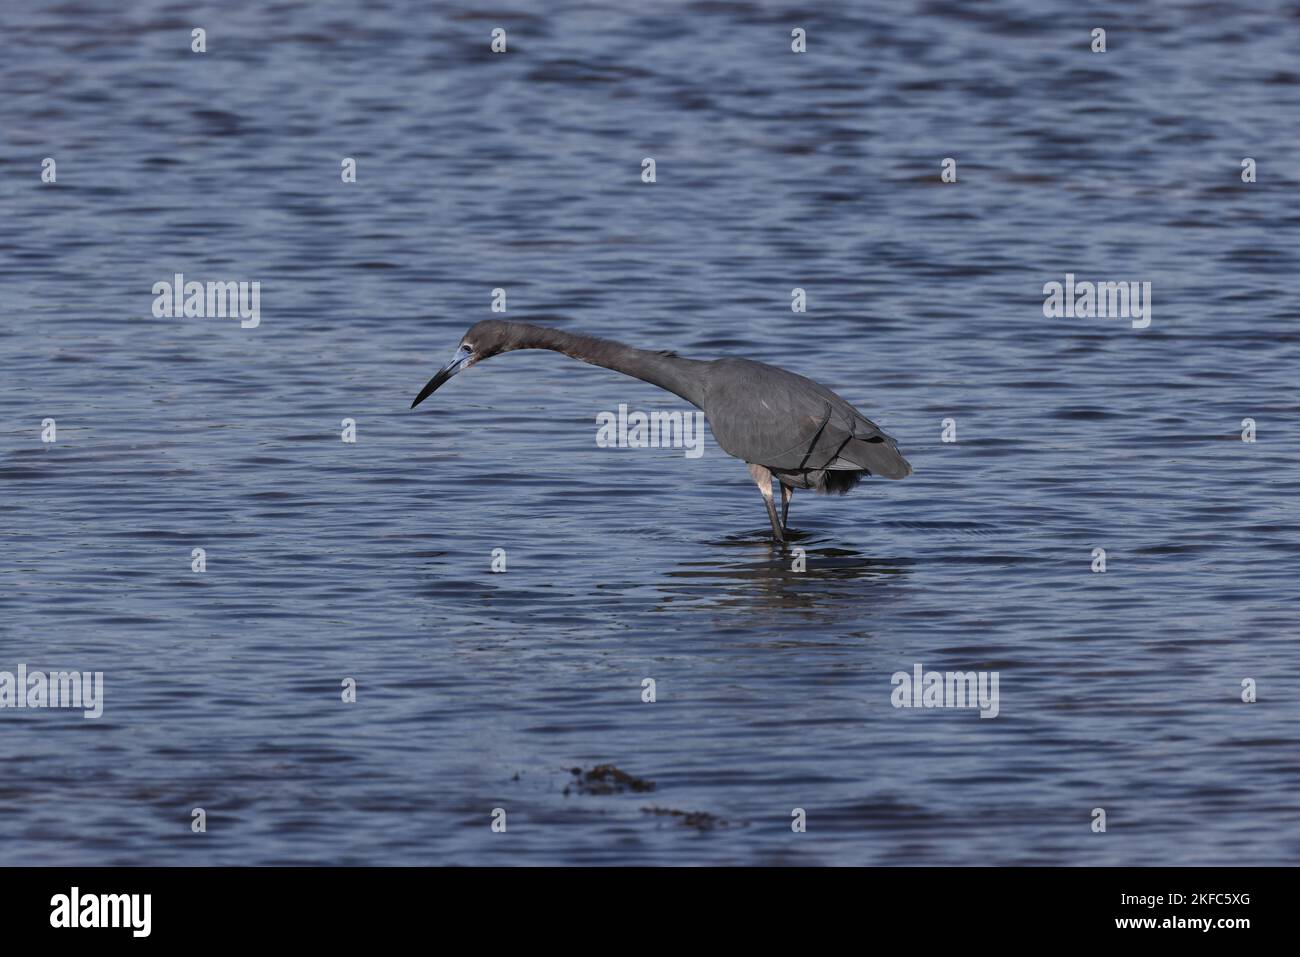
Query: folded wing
{"points": [[771, 417]]}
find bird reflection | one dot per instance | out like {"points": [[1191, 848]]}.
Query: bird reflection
{"points": [[833, 579]]}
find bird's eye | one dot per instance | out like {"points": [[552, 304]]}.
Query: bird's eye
{"points": [[467, 347]]}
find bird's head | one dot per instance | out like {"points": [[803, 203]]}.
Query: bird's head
{"points": [[483, 340]]}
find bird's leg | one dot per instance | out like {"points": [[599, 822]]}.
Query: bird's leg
{"points": [[787, 493], [763, 479]]}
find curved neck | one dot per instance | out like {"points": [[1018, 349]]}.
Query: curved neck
{"points": [[682, 377]]}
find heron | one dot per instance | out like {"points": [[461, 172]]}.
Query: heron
{"points": [[786, 428]]}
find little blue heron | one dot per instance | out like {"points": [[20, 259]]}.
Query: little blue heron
{"points": [[778, 423]]}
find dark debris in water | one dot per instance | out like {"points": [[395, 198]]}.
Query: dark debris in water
{"points": [[606, 779], [700, 820]]}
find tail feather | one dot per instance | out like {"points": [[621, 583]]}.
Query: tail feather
{"points": [[877, 454]]}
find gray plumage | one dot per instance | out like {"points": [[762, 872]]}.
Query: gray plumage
{"points": [[783, 425]]}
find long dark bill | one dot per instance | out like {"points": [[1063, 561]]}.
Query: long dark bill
{"points": [[461, 360]]}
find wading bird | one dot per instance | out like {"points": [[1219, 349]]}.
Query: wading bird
{"points": [[782, 425]]}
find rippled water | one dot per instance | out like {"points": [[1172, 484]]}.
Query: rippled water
{"points": [[371, 560]]}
